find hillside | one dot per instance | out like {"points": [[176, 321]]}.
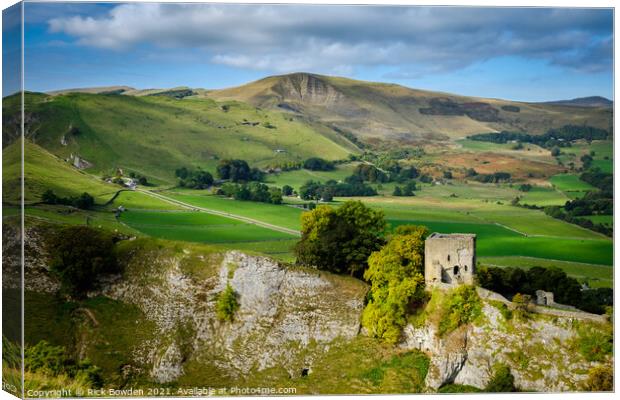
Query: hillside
{"points": [[157, 324], [43, 171], [154, 135], [591, 101], [379, 111]]}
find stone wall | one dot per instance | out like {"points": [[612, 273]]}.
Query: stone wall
{"points": [[449, 259]]}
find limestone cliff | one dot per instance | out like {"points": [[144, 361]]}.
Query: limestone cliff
{"points": [[541, 350]]}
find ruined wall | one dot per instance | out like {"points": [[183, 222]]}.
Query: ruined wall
{"points": [[449, 259]]}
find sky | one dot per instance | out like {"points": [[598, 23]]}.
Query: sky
{"points": [[526, 54]]}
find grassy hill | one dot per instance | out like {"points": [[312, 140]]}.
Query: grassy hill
{"points": [[389, 111], [43, 171], [154, 135]]}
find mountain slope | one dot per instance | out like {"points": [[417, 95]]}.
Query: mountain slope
{"points": [[154, 135], [389, 111], [591, 101], [43, 171]]}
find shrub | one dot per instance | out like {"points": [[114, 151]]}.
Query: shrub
{"points": [[53, 361], [594, 344], [227, 304], [79, 255], [502, 380], [462, 306], [600, 379]]}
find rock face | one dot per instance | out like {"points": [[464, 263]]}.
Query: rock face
{"points": [[537, 351], [286, 318]]}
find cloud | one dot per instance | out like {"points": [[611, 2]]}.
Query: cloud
{"points": [[413, 41]]}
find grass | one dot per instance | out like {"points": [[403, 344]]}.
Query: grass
{"points": [[496, 241], [298, 177], [70, 216], [281, 215], [600, 219], [43, 171], [154, 135], [570, 183], [139, 201], [362, 365], [543, 197], [198, 227], [596, 275]]}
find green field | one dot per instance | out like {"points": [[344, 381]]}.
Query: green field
{"points": [[298, 177], [570, 183], [198, 227], [281, 215], [497, 241], [133, 200], [543, 197], [600, 219]]}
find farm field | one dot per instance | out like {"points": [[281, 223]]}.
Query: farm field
{"points": [[298, 177], [198, 227], [281, 215], [134, 200], [570, 183], [543, 197], [494, 240]]}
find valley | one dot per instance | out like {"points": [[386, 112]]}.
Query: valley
{"points": [[197, 190]]}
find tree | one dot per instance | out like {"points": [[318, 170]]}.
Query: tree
{"points": [[397, 281], [397, 191], [85, 201], [287, 190], [327, 194], [236, 171], [318, 164], [340, 240], [49, 197], [447, 174], [79, 255], [555, 151]]}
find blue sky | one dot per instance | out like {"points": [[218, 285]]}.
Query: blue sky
{"points": [[528, 54]]}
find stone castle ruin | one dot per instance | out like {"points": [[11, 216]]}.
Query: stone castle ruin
{"points": [[449, 259]]}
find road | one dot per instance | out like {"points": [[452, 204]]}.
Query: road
{"points": [[220, 213]]}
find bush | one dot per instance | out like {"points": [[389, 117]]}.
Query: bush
{"points": [[502, 380], [79, 255], [227, 304], [600, 379], [462, 306], [54, 361], [594, 344]]}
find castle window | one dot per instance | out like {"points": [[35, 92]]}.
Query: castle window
{"points": [[466, 268], [448, 257], [455, 270]]}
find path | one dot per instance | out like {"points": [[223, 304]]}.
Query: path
{"points": [[220, 213]]}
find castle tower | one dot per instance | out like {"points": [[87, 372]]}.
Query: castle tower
{"points": [[449, 259]]}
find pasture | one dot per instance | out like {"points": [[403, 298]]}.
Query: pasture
{"points": [[570, 183], [198, 227]]}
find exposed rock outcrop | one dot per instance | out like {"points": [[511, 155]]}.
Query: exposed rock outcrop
{"points": [[287, 316], [537, 350]]}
